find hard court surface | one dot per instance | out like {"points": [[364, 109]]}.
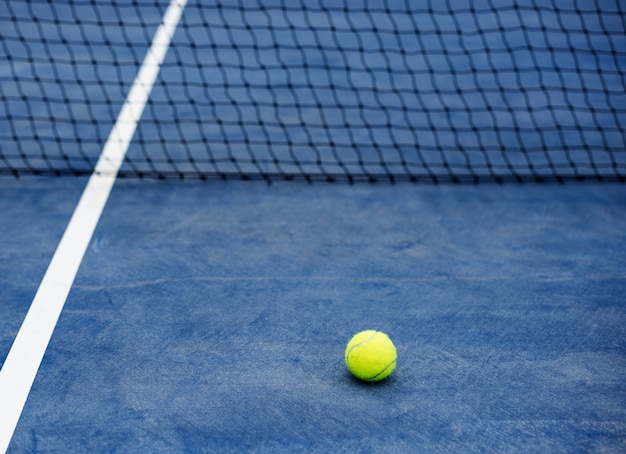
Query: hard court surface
{"points": [[213, 317]]}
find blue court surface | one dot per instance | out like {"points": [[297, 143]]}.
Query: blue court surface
{"points": [[213, 197], [213, 317]]}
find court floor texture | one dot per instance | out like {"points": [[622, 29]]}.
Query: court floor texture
{"points": [[213, 317]]}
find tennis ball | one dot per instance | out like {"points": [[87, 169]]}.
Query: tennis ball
{"points": [[371, 356]]}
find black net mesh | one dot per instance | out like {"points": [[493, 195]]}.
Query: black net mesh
{"points": [[438, 91]]}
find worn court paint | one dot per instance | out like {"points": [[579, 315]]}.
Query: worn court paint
{"points": [[33, 215], [214, 316]]}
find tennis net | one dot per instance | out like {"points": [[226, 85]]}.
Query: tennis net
{"points": [[434, 91]]}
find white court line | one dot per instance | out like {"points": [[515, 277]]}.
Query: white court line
{"points": [[24, 358]]}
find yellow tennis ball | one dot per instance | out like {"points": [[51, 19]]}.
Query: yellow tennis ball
{"points": [[371, 356]]}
